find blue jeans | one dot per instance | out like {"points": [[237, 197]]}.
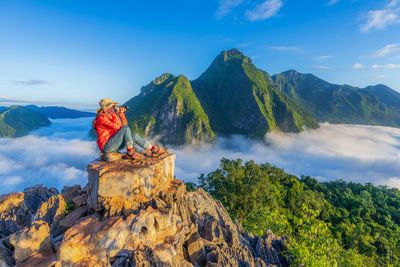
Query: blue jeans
{"points": [[124, 137]]}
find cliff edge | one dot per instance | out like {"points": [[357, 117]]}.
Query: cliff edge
{"points": [[129, 214]]}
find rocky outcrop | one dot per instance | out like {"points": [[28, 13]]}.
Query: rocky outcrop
{"points": [[120, 187], [137, 214], [18, 208]]}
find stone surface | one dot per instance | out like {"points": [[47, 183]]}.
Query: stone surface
{"points": [[120, 187], [36, 195], [69, 192], [6, 258], [45, 259], [80, 200], [17, 209], [14, 215], [51, 211], [70, 219], [196, 250], [99, 241], [31, 240]]}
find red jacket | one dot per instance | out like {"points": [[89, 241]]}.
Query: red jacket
{"points": [[106, 126]]}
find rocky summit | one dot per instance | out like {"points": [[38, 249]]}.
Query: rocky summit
{"points": [[129, 214]]}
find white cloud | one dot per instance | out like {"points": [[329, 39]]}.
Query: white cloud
{"points": [[285, 48], [264, 10], [12, 180], [322, 57], [29, 82], [350, 152], [358, 66], [392, 4], [387, 66], [382, 18], [225, 7], [54, 156], [387, 50], [332, 2], [383, 76], [321, 67]]}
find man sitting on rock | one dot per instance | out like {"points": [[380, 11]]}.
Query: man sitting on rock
{"points": [[113, 133]]}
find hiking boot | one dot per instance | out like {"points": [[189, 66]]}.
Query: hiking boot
{"points": [[156, 150], [133, 154]]}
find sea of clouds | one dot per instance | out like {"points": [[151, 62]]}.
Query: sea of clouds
{"points": [[59, 154]]}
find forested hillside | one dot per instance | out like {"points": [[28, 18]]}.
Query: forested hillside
{"points": [[329, 224], [373, 105], [17, 121]]}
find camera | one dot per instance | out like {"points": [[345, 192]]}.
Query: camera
{"points": [[121, 108]]}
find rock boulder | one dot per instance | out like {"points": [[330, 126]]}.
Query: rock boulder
{"points": [[18, 208], [120, 187], [31, 240]]}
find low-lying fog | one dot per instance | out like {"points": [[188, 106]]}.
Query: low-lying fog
{"points": [[58, 155]]}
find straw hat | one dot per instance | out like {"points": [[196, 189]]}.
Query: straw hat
{"points": [[106, 103]]}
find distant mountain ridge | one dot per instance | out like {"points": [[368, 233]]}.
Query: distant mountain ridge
{"points": [[60, 112], [231, 97], [17, 121], [374, 105]]}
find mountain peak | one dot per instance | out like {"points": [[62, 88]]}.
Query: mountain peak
{"points": [[227, 55], [234, 52], [160, 79], [291, 71]]}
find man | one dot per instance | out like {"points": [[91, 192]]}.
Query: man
{"points": [[113, 132]]}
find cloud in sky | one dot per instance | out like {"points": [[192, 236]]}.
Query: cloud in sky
{"points": [[332, 2], [387, 50], [29, 82], [59, 154], [359, 66], [321, 67], [264, 10], [381, 18], [387, 66], [285, 48], [54, 156], [225, 7], [322, 57], [350, 152], [383, 76]]}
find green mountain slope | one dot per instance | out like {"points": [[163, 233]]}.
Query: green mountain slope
{"points": [[375, 105], [167, 107], [241, 99], [17, 121]]}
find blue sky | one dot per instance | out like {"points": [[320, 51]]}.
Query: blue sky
{"points": [[77, 52]]}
